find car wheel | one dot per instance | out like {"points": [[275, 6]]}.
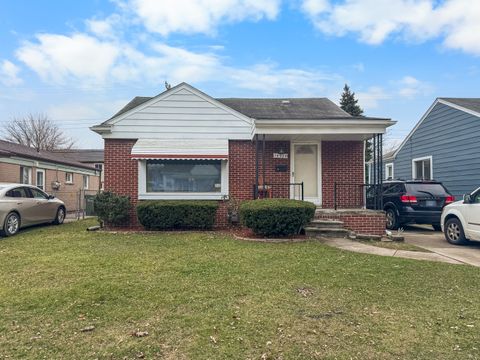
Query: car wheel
{"points": [[60, 218], [436, 227], [454, 232], [392, 219], [11, 225]]}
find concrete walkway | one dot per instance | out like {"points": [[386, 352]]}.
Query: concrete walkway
{"points": [[356, 246]]}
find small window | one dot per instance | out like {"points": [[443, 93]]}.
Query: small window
{"points": [[85, 182], [422, 168], [99, 167], [25, 175], [389, 171], [40, 179], [69, 178]]}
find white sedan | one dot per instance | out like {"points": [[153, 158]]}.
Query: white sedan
{"points": [[461, 220]]}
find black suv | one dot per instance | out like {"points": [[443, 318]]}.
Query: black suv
{"points": [[416, 201]]}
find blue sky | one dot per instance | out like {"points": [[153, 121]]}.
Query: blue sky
{"points": [[79, 62]]}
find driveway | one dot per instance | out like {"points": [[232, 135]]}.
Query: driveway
{"points": [[434, 241]]}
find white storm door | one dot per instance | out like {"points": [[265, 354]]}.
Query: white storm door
{"points": [[305, 169]]}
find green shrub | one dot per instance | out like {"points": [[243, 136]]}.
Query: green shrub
{"points": [[276, 217], [177, 214], [111, 208]]}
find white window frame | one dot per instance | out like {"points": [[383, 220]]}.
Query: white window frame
{"points": [[389, 165], [43, 177], [414, 175], [67, 176], [29, 171], [144, 195], [86, 184]]}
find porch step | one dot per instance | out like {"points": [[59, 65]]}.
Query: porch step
{"points": [[326, 224], [326, 232]]}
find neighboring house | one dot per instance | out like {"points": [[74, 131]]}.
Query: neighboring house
{"points": [[388, 169], [184, 144], [93, 157], [444, 146], [52, 172]]}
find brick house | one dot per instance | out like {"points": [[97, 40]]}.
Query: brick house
{"points": [[50, 171], [184, 144], [92, 157]]}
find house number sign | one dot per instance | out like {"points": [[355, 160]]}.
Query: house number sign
{"points": [[280, 155]]}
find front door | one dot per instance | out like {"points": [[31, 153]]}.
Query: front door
{"points": [[305, 169]]}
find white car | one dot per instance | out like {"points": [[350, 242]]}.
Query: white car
{"points": [[461, 220]]}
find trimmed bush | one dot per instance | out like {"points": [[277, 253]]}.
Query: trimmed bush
{"points": [[111, 208], [177, 214], [276, 217]]}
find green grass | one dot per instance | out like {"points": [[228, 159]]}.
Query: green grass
{"points": [[208, 296], [395, 245]]}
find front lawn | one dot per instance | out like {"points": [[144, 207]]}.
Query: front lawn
{"points": [[208, 296]]}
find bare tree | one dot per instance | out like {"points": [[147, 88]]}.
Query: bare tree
{"points": [[38, 132], [390, 143]]}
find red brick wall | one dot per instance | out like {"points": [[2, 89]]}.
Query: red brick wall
{"points": [[121, 172], [242, 172], [362, 222], [242, 168], [342, 162]]}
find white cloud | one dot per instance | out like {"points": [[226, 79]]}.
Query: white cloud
{"points": [[411, 87], [105, 28], [57, 57], [199, 16], [9, 73], [456, 21], [84, 60], [371, 98], [269, 79]]}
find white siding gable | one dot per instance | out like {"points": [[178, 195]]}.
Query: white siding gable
{"points": [[181, 113]]}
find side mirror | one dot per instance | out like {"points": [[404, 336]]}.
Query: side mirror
{"points": [[50, 197], [467, 199]]}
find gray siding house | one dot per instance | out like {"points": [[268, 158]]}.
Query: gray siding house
{"points": [[444, 146]]}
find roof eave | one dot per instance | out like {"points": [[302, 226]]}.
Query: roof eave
{"points": [[101, 129], [346, 121]]}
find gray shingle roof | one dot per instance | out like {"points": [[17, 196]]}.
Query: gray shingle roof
{"points": [[136, 101], [83, 155], [468, 103], [289, 108], [273, 109], [11, 149]]}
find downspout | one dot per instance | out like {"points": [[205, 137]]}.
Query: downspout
{"points": [[255, 190]]}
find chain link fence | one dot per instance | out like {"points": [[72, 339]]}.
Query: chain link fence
{"points": [[79, 202]]}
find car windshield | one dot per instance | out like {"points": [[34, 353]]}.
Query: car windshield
{"points": [[429, 189]]}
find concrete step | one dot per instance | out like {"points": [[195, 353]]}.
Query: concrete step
{"points": [[326, 224], [326, 232]]}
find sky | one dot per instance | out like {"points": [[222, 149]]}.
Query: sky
{"points": [[78, 62]]}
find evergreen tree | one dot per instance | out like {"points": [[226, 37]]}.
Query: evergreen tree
{"points": [[349, 104]]}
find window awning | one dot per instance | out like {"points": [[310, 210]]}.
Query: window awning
{"points": [[180, 149]]}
